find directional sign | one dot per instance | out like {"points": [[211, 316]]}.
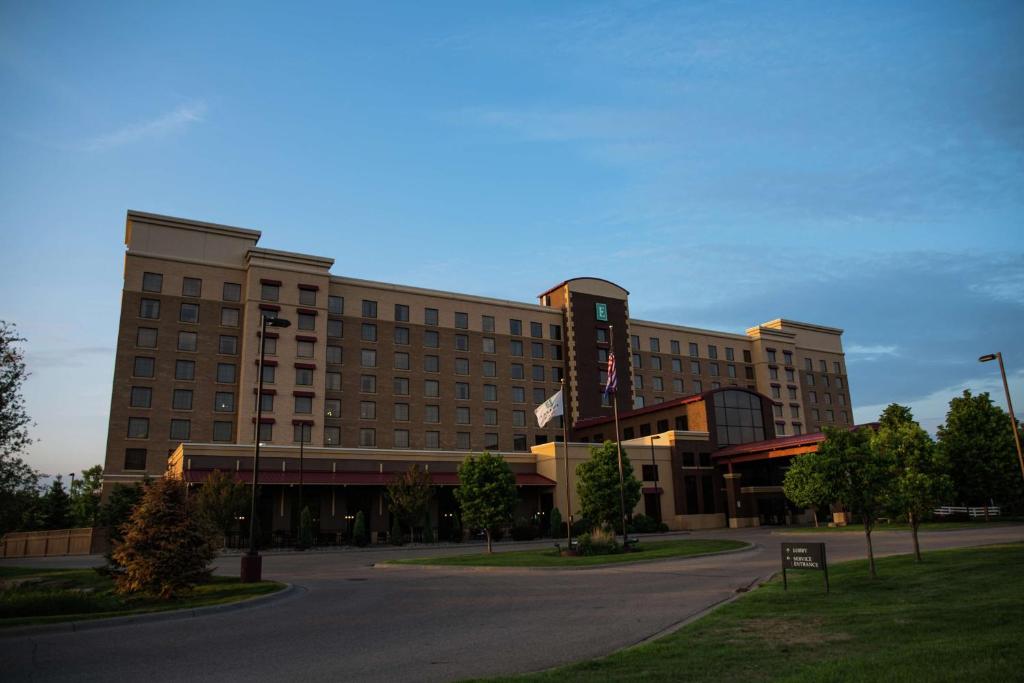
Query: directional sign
{"points": [[602, 312], [803, 556]]}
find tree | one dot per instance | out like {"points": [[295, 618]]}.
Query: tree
{"points": [[556, 523], [220, 501], [597, 485], [486, 493], [857, 477], [166, 548], [19, 483], [919, 478], [895, 414], [85, 497], [359, 535], [396, 531], [55, 506], [981, 453], [119, 507], [805, 484], [428, 528], [409, 495]]}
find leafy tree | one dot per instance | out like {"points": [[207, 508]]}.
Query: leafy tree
{"points": [[597, 485], [805, 484], [359, 535], [305, 528], [919, 478], [979, 447], [119, 506], [55, 506], [220, 501], [166, 548], [19, 483], [556, 524], [396, 531], [857, 477], [85, 496], [486, 493], [895, 414], [409, 495], [428, 528]]}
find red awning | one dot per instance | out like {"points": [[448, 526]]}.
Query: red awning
{"points": [[353, 478]]}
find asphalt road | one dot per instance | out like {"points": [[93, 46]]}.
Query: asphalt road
{"points": [[356, 622]]}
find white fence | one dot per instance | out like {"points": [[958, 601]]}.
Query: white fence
{"points": [[963, 511]]}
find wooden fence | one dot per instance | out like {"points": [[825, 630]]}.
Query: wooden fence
{"points": [[87, 541]]}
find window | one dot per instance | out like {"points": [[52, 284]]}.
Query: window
{"points": [[270, 292], [655, 362], [226, 373], [367, 438], [266, 432], [432, 439], [462, 391], [518, 395], [602, 355], [181, 430], [267, 403], [462, 321], [368, 332], [518, 371], [657, 384], [307, 296], [515, 347], [307, 321], [490, 392], [815, 414], [368, 384], [536, 330], [634, 343], [638, 402], [188, 313], [794, 411], [602, 335], [232, 291], [332, 407], [304, 404], [824, 380], [539, 396], [730, 370], [536, 350], [149, 308], [146, 338], [430, 316], [713, 369], [431, 339], [538, 373], [462, 441], [143, 367], [828, 399], [269, 374], [491, 441], [677, 365], [556, 374], [519, 418], [771, 355], [222, 430], [332, 436], [677, 385], [519, 442], [185, 369], [515, 327], [787, 357], [181, 399], [400, 386], [555, 332], [369, 308], [712, 351], [462, 415], [830, 416], [304, 349], [490, 368], [809, 380], [431, 387], [638, 362], [777, 411], [773, 373], [655, 345], [270, 345], [638, 382], [837, 368], [792, 393], [697, 386], [336, 305], [695, 367], [229, 317], [487, 344], [224, 401], [808, 364], [367, 358], [401, 438], [301, 433], [400, 412], [824, 365], [776, 392], [304, 377], [401, 360], [135, 458], [402, 336], [367, 410], [738, 417], [335, 328], [228, 345], [490, 416], [191, 286], [333, 381], [141, 397], [461, 342], [431, 414], [694, 351], [152, 282], [138, 428]]}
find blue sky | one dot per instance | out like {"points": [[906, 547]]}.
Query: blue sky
{"points": [[853, 164]]}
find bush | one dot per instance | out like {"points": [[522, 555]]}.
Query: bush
{"points": [[428, 529], [359, 535], [22, 602], [642, 524], [598, 542], [456, 530], [581, 526], [525, 530], [395, 535], [166, 547], [557, 527]]}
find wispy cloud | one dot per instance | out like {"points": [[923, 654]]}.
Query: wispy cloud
{"points": [[870, 352], [180, 117]]}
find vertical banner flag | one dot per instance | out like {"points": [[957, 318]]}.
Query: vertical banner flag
{"points": [[613, 380], [549, 409]]}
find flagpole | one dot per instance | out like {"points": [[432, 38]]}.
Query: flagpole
{"points": [[568, 485], [618, 444]]}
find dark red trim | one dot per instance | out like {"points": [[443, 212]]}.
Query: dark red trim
{"points": [[269, 307], [268, 392], [271, 363], [266, 281], [306, 394], [305, 337], [270, 335], [306, 366], [307, 311], [311, 288], [264, 420], [303, 422]]}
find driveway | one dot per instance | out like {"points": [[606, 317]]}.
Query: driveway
{"points": [[356, 622]]}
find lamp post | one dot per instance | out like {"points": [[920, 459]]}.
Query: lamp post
{"points": [[252, 563], [1009, 404], [654, 467]]}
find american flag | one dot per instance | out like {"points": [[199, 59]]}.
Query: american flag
{"points": [[613, 380]]}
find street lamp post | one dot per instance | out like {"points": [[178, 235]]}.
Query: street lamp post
{"points": [[1009, 404], [252, 563], [654, 466]]}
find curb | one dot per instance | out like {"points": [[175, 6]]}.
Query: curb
{"points": [[289, 590], [611, 565]]}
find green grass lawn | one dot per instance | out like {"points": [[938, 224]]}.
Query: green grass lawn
{"points": [[549, 557], [899, 526], [959, 616], [42, 596]]}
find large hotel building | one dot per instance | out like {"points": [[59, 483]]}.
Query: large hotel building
{"points": [[371, 377]]}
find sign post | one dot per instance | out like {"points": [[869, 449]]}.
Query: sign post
{"points": [[803, 556]]}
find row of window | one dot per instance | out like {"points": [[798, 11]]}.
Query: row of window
{"points": [[654, 346], [460, 320], [145, 367], [190, 286], [837, 382]]}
